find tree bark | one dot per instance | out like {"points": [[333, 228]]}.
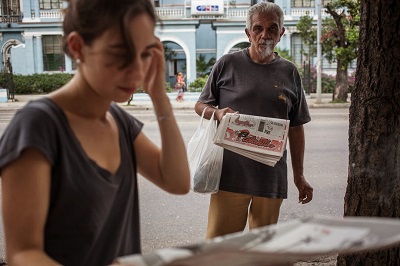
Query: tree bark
{"points": [[373, 187], [342, 83]]}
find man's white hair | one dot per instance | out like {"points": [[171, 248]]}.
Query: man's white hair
{"points": [[264, 7]]}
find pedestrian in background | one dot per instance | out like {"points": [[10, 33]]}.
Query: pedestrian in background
{"points": [[256, 81], [69, 161], [180, 86]]}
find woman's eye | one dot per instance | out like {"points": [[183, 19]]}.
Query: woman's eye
{"points": [[118, 56], [146, 54], [116, 59]]}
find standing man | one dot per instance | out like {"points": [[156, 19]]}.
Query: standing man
{"points": [[256, 81]]}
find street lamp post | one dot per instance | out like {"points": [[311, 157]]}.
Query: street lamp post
{"points": [[318, 100]]}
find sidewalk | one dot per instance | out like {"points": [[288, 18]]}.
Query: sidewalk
{"points": [[142, 101]]}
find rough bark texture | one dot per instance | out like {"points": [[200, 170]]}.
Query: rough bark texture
{"points": [[373, 187], [342, 83]]}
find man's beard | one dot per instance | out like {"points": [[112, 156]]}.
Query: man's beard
{"points": [[269, 49]]}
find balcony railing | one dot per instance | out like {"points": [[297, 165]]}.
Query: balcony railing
{"points": [[51, 14], [184, 12], [300, 12], [170, 13], [239, 13], [10, 18]]}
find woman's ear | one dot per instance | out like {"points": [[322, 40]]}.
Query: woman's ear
{"points": [[75, 46]]}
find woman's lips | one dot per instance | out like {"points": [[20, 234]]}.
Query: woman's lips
{"points": [[129, 89]]}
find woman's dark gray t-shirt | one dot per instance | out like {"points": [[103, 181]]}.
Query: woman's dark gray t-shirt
{"points": [[271, 90], [93, 215]]}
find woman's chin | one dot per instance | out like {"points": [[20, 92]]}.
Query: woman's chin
{"points": [[122, 98]]}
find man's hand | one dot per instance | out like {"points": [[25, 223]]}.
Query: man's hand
{"points": [[220, 113], [305, 190]]}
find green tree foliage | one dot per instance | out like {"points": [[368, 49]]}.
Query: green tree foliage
{"points": [[308, 34], [285, 53], [339, 39], [40, 83], [198, 84], [203, 67], [340, 33], [327, 81], [168, 52]]}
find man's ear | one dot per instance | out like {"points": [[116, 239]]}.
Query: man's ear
{"points": [[247, 33], [282, 32], [75, 45]]}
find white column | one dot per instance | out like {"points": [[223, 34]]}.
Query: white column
{"points": [[38, 54]]}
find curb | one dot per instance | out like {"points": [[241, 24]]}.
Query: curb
{"points": [[147, 107], [328, 105]]}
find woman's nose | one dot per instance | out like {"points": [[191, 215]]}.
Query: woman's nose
{"points": [[136, 69]]}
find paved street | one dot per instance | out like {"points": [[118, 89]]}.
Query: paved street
{"points": [[183, 218], [169, 220]]}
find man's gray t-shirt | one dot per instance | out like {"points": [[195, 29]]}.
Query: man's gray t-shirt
{"points": [[271, 90], [93, 215]]}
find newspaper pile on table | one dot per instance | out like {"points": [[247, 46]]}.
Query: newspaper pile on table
{"points": [[260, 138], [281, 244]]}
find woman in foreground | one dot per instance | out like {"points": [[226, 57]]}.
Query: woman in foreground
{"points": [[69, 161]]}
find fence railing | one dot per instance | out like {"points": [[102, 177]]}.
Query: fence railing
{"points": [[10, 18], [51, 14], [182, 12]]}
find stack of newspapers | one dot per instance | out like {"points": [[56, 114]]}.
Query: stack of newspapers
{"points": [[259, 138]]}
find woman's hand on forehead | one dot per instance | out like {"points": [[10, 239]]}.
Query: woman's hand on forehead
{"points": [[154, 82]]}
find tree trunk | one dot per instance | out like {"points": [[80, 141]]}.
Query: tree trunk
{"points": [[342, 83], [373, 187]]}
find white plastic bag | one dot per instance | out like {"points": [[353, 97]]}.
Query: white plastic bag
{"points": [[205, 158]]}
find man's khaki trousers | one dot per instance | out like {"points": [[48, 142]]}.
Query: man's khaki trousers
{"points": [[228, 212]]}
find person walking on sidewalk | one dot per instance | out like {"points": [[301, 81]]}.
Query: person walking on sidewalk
{"points": [[256, 81], [180, 86], [69, 161]]}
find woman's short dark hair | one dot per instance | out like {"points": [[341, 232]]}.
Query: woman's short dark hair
{"points": [[91, 18]]}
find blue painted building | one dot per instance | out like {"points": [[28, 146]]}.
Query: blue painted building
{"points": [[31, 33]]}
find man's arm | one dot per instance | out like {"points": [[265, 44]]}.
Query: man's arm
{"points": [[297, 145]]}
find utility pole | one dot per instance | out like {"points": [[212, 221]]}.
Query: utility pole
{"points": [[319, 22]]}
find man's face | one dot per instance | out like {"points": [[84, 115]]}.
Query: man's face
{"points": [[264, 34]]}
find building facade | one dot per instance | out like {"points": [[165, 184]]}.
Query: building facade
{"points": [[31, 33]]}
